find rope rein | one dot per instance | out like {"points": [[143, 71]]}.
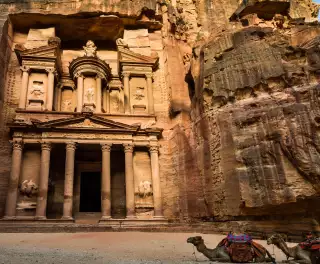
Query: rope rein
{"points": [[194, 253]]}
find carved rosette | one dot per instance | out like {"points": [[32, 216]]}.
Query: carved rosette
{"points": [[46, 146], [105, 147], [71, 146], [128, 147], [154, 149]]}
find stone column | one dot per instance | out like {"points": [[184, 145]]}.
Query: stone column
{"points": [[150, 93], [106, 182], [68, 181], [59, 95], [50, 89], [105, 100], [24, 87], [157, 203], [130, 204], [44, 179], [80, 80], [126, 88], [98, 94], [11, 203]]}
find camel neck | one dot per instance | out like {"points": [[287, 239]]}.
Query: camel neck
{"points": [[286, 250], [204, 250]]}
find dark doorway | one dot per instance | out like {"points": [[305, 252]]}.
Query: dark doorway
{"points": [[90, 192]]}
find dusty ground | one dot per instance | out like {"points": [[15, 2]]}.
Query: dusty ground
{"points": [[113, 247]]}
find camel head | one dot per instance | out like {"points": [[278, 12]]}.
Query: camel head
{"points": [[275, 239], [197, 240]]}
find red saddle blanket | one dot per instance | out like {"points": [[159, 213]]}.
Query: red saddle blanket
{"points": [[310, 244], [243, 252]]}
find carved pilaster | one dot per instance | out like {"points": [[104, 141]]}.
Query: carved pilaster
{"points": [[51, 72], [150, 93], [155, 174], [24, 86], [126, 89]]}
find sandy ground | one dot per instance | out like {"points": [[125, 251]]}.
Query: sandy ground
{"points": [[108, 247]]}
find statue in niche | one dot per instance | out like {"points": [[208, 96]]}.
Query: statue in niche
{"points": [[28, 188], [90, 49], [67, 105], [37, 89], [145, 189], [139, 93], [90, 95]]}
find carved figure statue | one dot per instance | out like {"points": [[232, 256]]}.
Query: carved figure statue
{"points": [[28, 188], [145, 188], [221, 254], [67, 105], [37, 90], [298, 254], [90, 94], [90, 49]]}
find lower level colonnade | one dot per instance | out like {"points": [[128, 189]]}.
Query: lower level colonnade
{"points": [[41, 207]]}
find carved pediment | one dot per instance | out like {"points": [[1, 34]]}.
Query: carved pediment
{"points": [[87, 122], [44, 52], [128, 56]]}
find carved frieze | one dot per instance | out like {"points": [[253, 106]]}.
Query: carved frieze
{"points": [[80, 136]]}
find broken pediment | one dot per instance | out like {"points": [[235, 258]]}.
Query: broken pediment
{"points": [[128, 57]]}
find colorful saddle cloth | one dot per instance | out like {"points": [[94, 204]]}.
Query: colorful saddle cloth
{"points": [[239, 238], [311, 244]]}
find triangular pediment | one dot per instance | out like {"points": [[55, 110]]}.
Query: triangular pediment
{"points": [[87, 122], [44, 52], [127, 55]]}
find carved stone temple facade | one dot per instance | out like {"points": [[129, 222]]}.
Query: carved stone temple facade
{"points": [[80, 126], [123, 112]]}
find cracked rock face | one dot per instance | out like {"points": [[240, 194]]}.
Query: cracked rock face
{"points": [[239, 89], [259, 86]]}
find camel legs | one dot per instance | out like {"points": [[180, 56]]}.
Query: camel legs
{"points": [[300, 261], [221, 259]]}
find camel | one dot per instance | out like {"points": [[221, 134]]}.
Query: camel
{"points": [[216, 254], [220, 253], [298, 254]]}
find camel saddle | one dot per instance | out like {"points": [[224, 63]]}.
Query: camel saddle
{"points": [[241, 248], [312, 244]]}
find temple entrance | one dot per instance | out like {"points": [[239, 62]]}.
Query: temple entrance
{"points": [[118, 187], [90, 192]]}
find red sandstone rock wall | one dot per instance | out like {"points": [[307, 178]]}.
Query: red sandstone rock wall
{"points": [[239, 105]]}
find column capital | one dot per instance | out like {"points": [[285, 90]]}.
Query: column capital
{"points": [[46, 146], [106, 147], [154, 149], [25, 69], [125, 74], [71, 145], [128, 147], [78, 74], [149, 75], [16, 144], [51, 70]]}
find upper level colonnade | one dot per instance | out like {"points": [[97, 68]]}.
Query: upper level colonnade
{"points": [[89, 83]]}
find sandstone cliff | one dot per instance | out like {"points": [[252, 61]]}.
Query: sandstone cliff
{"points": [[240, 91]]}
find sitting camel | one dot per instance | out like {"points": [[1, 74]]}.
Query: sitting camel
{"points": [[217, 254], [221, 254], [298, 254]]}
